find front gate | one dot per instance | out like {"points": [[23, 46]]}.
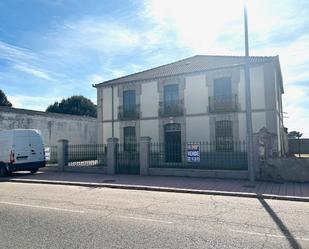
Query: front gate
{"points": [[127, 158]]}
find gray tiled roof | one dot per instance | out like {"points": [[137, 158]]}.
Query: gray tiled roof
{"points": [[189, 65]]}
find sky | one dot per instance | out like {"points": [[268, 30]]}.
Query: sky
{"points": [[53, 49]]}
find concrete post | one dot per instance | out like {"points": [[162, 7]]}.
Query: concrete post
{"points": [[111, 155], [144, 155], [62, 154]]}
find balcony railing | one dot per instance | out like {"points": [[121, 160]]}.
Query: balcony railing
{"points": [[130, 114], [223, 103], [171, 109]]}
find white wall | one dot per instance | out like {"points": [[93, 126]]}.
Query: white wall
{"points": [[52, 126], [257, 87], [149, 99], [107, 130], [197, 129], [99, 104], [242, 126], [241, 91], [107, 103], [196, 94], [117, 130], [116, 102], [150, 128], [100, 133], [258, 121]]}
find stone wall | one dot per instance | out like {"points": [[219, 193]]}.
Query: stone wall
{"points": [[76, 129], [286, 169], [299, 146]]}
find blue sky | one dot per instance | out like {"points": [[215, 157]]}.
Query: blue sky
{"points": [[51, 49]]}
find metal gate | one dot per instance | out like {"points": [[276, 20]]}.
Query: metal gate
{"points": [[127, 158]]}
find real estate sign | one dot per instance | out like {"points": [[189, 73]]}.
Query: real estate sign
{"points": [[47, 153], [193, 152]]}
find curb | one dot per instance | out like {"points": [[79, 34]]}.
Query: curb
{"points": [[162, 189]]}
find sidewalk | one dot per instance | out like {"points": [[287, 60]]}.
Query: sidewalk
{"points": [[286, 191]]}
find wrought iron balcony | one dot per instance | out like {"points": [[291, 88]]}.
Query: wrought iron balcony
{"points": [[129, 114], [171, 109], [223, 103]]}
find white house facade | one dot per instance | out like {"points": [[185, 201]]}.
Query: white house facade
{"points": [[201, 98]]}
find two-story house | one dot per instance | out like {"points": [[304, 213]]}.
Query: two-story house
{"points": [[201, 98]]}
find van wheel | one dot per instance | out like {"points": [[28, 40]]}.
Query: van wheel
{"points": [[3, 171], [34, 170]]}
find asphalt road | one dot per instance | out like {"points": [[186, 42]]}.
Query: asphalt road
{"points": [[51, 216]]}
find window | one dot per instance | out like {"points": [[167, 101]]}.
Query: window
{"points": [[129, 140], [224, 135], [171, 95], [171, 105], [223, 100], [129, 103], [222, 87]]}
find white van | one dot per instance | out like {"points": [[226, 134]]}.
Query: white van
{"points": [[21, 149]]}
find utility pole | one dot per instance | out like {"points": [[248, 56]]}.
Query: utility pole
{"points": [[112, 111], [248, 102]]}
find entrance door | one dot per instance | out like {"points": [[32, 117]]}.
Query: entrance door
{"points": [[172, 141]]}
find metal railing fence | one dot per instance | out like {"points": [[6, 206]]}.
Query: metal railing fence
{"points": [[53, 155], [175, 108], [130, 114], [127, 158], [87, 155], [223, 103], [175, 155]]}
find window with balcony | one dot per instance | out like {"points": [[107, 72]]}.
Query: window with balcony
{"points": [[224, 135], [172, 105], [223, 100], [129, 109]]}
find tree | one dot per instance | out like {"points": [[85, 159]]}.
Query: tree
{"points": [[3, 100], [295, 134], [76, 105]]}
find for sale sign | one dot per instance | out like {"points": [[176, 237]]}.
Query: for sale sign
{"points": [[47, 153], [193, 152]]}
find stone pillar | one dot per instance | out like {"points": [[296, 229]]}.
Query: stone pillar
{"points": [[263, 150], [111, 155], [257, 156], [62, 154], [144, 155]]}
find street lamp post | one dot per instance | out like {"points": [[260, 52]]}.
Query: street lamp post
{"points": [[248, 102]]}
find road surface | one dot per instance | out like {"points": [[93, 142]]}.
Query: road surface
{"points": [[52, 216]]}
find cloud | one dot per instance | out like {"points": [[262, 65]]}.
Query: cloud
{"points": [[13, 53], [32, 102], [196, 23], [216, 27], [84, 49], [24, 60], [296, 107], [34, 72], [96, 78], [92, 35]]}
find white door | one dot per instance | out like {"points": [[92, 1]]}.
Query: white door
{"points": [[21, 148], [36, 148]]}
